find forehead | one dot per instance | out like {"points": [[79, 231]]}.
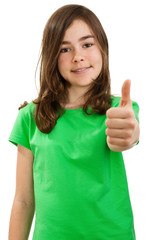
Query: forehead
{"points": [[76, 30]]}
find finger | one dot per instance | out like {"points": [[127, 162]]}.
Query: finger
{"points": [[125, 98], [120, 142], [120, 113], [118, 133], [119, 123]]}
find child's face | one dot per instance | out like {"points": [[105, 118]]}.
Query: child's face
{"points": [[80, 59]]}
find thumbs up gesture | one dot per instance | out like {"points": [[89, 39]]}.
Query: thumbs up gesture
{"points": [[122, 126]]}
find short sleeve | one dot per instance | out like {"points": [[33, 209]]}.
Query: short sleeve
{"points": [[136, 110], [20, 130]]}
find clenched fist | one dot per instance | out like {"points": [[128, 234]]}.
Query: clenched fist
{"points": [[122, 126]]}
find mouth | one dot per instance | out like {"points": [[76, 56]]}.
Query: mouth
{"points": [[80, 70]]}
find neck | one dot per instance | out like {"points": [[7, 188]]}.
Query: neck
{"points": [[76, 99], [73, 107]]}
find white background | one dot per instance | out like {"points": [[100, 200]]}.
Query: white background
{"points": [[133, 31]]}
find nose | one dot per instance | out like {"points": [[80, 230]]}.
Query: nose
{"points": [[78, 56]]}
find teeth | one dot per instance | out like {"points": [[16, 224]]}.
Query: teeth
{"points": [[79, 70]]}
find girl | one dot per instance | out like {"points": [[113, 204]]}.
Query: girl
{"points": [[70, 168]]}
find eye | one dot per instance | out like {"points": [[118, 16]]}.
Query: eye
{"points": [[64, 50], [86, 45]]}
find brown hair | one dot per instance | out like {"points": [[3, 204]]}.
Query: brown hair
{"points": [[53, 87]]}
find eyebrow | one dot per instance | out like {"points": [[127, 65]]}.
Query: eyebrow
{"points": [[81, 39]]}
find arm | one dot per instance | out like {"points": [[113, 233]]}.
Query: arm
{"points": [[23, 205]]}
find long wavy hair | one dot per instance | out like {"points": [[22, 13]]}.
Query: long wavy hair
{"points": [[53, 87]]}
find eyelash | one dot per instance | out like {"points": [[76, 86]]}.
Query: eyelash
{"points": [[86, 45], [64, 50]]}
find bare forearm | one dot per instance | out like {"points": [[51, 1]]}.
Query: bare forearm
{"points": [[20, 220]]}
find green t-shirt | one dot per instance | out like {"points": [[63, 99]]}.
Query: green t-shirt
{"points": [[80, 185]]}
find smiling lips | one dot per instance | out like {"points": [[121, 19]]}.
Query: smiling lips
{"points": [[81, 70]]}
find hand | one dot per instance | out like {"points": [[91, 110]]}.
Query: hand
{"points": [[122, 126]]}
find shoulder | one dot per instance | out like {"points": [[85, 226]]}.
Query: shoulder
{"points": [[23, 126], [29, 107], [115, 100], [28, 110]]}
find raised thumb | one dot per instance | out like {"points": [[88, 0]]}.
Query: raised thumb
{"points": [[125, 98]]}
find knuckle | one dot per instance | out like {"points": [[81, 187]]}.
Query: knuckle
{"points": [[110, 140], [132, 124], [108, 123], [129, 134], [130, 113], [126, 142], [109, 112], [106, 131]]}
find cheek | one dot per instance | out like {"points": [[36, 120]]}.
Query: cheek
{"points": [[61, 64], [98, 60], [96, 57], [60, 61], [63, 67]]}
